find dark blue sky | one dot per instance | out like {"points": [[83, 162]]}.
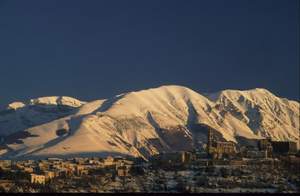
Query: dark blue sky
{"points": [[96, 49]]}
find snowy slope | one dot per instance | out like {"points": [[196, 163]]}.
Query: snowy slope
{"points": [[147, 122], [19, 116]]}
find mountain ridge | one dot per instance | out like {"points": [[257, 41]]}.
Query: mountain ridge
{"points": [[167, 118]]}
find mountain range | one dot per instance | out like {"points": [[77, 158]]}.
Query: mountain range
{"points": [[143, 123]]}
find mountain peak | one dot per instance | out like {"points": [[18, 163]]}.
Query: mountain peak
{"points": [[16, 105], [57, 100], [232, 93], [166, 88], [50, 100]]}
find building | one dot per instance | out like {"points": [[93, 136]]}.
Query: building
{"points": [[284, 147], [37, 179], [5, 164], [109, 161], [123, 171], [255, 154], [43, 166], [54, 159], [186, 157], [6, 184], [49, 175], [293, 163], [81, 170], [56, 172], [122, 162], [217, 149], [28, 169], [225, 147], [277, 147], [265, 145], [237, 162], [170, 159]]}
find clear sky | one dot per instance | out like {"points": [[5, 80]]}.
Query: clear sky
{"points": [[95, 49]]}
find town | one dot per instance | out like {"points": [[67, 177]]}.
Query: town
{"points": [[269, 166]]}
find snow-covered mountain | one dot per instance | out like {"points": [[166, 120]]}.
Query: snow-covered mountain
{"points": [[18, 115], [143, 123]]}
